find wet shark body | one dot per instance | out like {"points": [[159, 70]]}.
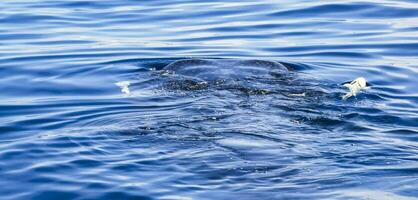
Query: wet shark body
{"points": [[248, 76], [225, 69]]}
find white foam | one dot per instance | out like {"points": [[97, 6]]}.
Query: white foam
{"points": [[124, 86], [355, 86]]}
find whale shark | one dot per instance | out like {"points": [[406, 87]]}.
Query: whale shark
{"points": [[251, 76], [202, 73], [248, 76], [226, 69]]}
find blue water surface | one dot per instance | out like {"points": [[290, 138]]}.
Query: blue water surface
{"points": [[67, 131]]}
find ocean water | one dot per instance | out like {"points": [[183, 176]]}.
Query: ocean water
{"points": [[68, 131]]}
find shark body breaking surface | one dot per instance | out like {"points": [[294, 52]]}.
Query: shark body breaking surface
{"points": [[224, 69], [248, 76]]}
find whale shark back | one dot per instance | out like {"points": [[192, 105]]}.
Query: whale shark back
{"points": [[225, 69]]}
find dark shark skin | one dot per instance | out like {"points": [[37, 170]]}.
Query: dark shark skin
{"points": [[225, 69]]}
